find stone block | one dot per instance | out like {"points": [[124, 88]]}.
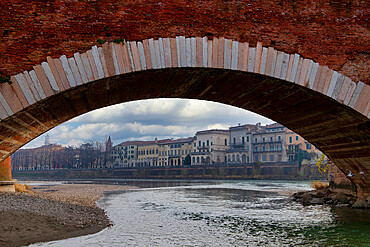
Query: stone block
{"points": [[75, 73], [294, 67], [161, 53], [243, 56], [227, 53], [205, 52], [18, 91], [174, 53], [167, 52], [296, 78], [107, 59], [214, 52], [263, 60], [220, 57], [126, 58], [5, 106], [270, 54], [363, 100], [92, 64], [284, 67], [135, 56], [148, 56], [234, 55], [25, 88], [182, 51], [31, 86], [55, 74], [278, 64], [103, 62], [356, 93], [210, 53], [140, 48], [98, 64], [43, 80], [199, 52], [80, 66], [188, 51], [67, 70], [119, 57], [258, 58], [193, 45], [251, 55], [37, 84], [87, 67]]}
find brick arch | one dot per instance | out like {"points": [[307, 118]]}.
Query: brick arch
{"points": [[327, 108]]}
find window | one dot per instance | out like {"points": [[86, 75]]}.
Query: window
{"points": [[271, 157], [203, 144], [279, 138], [290, 139], [255, 148], [264, 158], [247, 138], [200, 143], [225, 142], [271, 139], [207, 143], [243, 139], [256, 158], [296, 138], [263, 139], [255, 140], [308, 145], [234, 140], [263, 148], [248, 159], [247, 147]]}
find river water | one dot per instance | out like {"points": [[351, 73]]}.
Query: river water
{"points": [[222, 213]]}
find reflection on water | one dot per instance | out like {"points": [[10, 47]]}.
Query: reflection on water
{"points": [[249, 213]]}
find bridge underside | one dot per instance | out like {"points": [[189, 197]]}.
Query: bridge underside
{"points": [[337, 130]]}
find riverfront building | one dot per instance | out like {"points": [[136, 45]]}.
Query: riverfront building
{"points": [[174, 152], [210, 147]]}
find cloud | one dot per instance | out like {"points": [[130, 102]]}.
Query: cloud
{"points": [[148, 119]]}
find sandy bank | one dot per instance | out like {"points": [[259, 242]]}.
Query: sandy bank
{"points": [[51, 213]]}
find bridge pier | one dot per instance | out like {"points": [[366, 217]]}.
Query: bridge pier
{"points": [[6, 182]]}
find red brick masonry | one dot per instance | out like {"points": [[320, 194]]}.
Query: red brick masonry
{"points": [[331, 32]]}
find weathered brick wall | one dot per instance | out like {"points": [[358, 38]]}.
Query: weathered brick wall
{"points": [[331, 32]]}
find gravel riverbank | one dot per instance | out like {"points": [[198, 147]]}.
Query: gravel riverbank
{"points": [[51, 213]]}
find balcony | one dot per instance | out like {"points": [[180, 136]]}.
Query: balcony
{"points": [[268, 150], [200, 153], [237, 144], [232, 150]]}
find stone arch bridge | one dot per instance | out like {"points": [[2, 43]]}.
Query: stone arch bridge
{"points": [[306, 77]]}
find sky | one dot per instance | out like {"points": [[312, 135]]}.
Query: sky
{"points": [[147, 120]]}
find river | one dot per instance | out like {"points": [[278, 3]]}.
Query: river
{"points": [[222, 213]]}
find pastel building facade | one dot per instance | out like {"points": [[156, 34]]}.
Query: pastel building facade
{"points": [[210, 147]]}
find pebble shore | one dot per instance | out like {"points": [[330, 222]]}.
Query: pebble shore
{"points": [[51, 213]]}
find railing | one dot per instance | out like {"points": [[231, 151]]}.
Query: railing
{"points": [[267, 142], [268, 150]]}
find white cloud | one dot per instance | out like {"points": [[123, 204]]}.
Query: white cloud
{"points": [[148, 119]]}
